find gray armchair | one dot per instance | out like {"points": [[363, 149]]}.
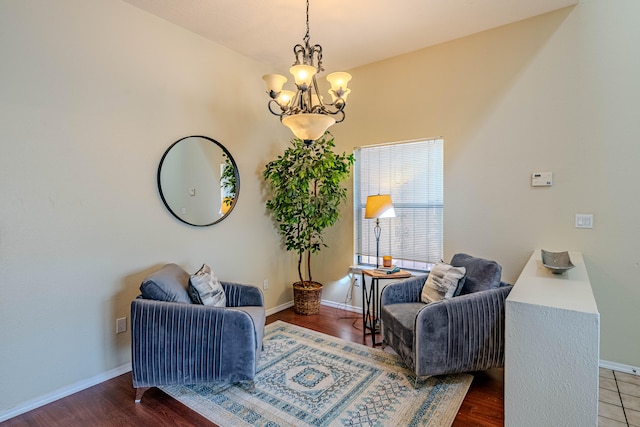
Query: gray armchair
{"points": [[176, 342], [461, 334]]}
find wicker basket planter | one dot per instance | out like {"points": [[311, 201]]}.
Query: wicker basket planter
{"points": [[306, 297]]}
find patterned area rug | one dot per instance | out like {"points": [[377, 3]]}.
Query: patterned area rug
{"points": [[306, 378]]}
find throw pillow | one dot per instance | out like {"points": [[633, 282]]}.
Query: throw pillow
{"points": [[482, 274], [441, 283], [206, 289], [167, 284]]}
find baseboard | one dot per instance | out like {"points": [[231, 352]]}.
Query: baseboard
{"points": [[341, 306], [634, 370], [328, 303], [279, 308], [63, 392]]}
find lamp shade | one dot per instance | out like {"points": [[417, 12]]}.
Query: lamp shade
{"points": [[308, 126], [285, 97], [274, 82], [302, 74], [339, 80], [379, 206], [226, 205]]}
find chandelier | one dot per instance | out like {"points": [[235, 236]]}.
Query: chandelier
{"points": [[304, 111]]}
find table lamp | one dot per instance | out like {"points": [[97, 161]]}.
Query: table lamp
{"points": [[379, 206]]}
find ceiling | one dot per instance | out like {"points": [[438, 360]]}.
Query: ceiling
{"points": [[351, 32]]}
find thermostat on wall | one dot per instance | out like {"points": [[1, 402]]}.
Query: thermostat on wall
{"points": [[541, 179]]}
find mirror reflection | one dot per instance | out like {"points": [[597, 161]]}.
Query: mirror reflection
{"points": [[198, 181]]}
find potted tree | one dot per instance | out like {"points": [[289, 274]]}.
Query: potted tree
{"points": [[304, 184]]}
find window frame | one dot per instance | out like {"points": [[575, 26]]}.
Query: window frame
{"points": [[432, 207]]}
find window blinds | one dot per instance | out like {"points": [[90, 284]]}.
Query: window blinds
{"points": [[412, 172]]}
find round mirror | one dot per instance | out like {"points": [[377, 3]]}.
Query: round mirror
{"points": [[198, 181]]}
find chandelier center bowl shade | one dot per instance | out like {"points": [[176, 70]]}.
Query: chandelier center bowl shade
{"points": [[308, 126], [304, 110]]}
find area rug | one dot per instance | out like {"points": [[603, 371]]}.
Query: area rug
{"points": [[306, 378]]}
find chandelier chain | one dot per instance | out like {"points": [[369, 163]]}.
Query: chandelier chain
{"points": [[306, 37]]}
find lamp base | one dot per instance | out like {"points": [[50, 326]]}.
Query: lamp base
{"points": [[376, 232]]}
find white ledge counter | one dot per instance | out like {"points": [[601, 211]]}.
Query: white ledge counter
{"points": [[552, 347]]}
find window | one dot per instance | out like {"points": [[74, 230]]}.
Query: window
{"points": [[412, 172]]}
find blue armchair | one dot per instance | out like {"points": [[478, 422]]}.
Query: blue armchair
{"points": [[461, 334], [176, 342]]}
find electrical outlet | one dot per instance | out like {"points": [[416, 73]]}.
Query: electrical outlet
{"points": [[121, 325], [356, 282], [265, 284]]}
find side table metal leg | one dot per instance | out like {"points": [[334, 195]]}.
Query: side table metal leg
{"points": [[364, 308], [373, 297]]}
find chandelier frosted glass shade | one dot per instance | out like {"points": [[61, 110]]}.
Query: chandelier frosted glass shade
{"points": [[284, 98], [339, 90], [274, 82], [308, 126], [303, 74]]}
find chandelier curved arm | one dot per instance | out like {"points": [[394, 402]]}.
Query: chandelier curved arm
{"points": [[299, 54], [341, 111], [317, 49], [280, 114]]}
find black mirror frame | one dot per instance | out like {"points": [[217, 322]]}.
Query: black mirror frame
{"points": [[235, 169]]}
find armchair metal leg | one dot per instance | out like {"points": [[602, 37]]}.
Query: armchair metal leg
{"points": [[139, 392], [418, 380]]}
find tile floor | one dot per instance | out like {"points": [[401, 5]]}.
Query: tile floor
{"points": [[619, 404]]}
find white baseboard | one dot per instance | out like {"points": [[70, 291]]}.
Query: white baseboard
{"points": [[634, 370], [341, 306], [328, 303], [281, 307], [63, 392]]}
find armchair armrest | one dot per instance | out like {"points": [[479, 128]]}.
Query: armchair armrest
{"points": [[176, 343], [408, 290], [462, 334], [239, 295]]}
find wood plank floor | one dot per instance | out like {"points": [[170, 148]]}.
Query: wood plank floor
{"points": [[112, 403]]}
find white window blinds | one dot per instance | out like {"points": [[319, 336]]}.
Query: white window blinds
{"points": [[412, 172]]}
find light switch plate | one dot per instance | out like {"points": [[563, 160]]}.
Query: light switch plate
{"points": [[584, 220]]}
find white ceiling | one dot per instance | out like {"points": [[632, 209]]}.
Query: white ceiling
{"points": [[351, 32]]}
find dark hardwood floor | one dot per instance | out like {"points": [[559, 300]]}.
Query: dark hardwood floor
{"points": [[112, 403]]}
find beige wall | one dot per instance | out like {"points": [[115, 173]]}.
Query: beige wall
{"points": [[91, 95], [557, 93]]}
